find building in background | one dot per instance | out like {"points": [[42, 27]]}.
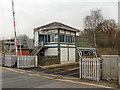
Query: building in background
{"points": [[23, 42]]}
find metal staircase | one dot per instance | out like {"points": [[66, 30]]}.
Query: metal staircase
{"points": [[36, 50]]}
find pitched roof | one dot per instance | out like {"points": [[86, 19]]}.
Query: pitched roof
{"points": [[56, 25]]}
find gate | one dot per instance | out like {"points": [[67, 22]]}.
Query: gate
{"points": [[90, 68], [18, 61], [26, 61], [10, 60], [2, 61]]}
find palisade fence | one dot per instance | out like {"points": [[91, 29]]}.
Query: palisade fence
{"points": [[1, 63], [18, 61], [119, 69], [10, 60], [26, 61], [2, 59], [90, 68]]}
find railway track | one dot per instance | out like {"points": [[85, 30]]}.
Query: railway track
{"points": [[68, 70]]}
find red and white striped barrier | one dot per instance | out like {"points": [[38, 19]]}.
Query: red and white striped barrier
{"points": [[14, 27]]}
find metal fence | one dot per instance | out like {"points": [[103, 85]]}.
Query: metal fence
{"points": [[2, 59], [119, 69], [10, 60], [18, 61], [90, 68], [26, 61]]}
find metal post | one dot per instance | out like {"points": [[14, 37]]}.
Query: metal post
{"points": [[20, 49], [10, 49]]}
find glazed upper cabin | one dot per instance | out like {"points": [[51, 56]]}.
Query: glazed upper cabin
{"points": [[57, 39]]}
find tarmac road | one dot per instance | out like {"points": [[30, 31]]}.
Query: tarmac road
{"points": [[15, 78]]}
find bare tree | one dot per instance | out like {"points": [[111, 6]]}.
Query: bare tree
{"points": [[110, 27], [117, 40], [91, 22], [106, 33]]}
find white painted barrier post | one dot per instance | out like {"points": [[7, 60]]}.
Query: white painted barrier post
{"points": [[18, 62], [36, 61], [80, 68], [98, 69]]}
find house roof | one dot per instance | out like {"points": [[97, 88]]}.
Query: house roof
{"points": [[56, 25]]}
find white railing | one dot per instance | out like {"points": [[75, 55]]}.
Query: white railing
{"points": [[26, 61], [18, 61], [90, 68], [119, 69], [1, 59], [10, 60], [1, 63]]}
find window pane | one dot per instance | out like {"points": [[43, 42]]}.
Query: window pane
{"points": [[56, 38], [48, 38], [67, 39], [73, 39], [45, 38], [52, 37], [61, 38]]}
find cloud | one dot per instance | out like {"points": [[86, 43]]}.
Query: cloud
{"points": [[33, 13]]}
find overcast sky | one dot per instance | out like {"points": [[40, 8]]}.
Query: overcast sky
{"points": [[30, 14]]}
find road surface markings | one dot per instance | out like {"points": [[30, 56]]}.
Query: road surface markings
{"points": [[73, 68], [55, 78], [59, 72], [74, 73], [21, 71]]}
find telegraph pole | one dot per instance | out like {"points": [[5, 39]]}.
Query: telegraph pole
{"points": [[14, 27]]}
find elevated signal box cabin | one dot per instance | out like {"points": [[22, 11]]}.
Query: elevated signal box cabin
{"points": [[57, 39]]}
